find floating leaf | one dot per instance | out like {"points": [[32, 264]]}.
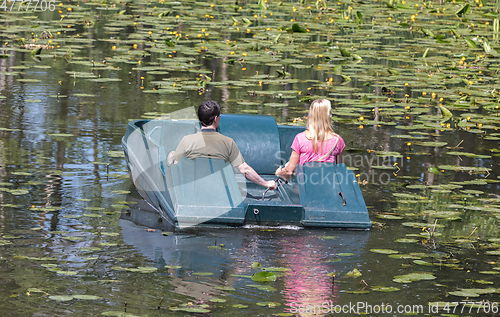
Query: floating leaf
{"points": [[275, 269], [264, 276], [255, 265], [495, 252], [173, 266], [266, 288], [384, 251], [61, 298], [353, 273], [412, 277], [445, 111], [225, 288], [463, 10], [87, 297], [297, 29], [344, 52], [268, 304], [420, 262], [118, 314], [464, 294], [384, 289], [433, 170], [382, 216], [240, 306], [66, 272], [147, 269], [470, 43], [328, 237], [402, 240], [359, 17]]}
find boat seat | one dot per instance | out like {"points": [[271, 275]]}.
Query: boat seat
{"points": [[172, 132], [287, 135], [257, 137], [205, 189], [330, 194]]}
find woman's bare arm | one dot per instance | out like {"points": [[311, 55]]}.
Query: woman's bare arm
{"points": [[287, 171]]}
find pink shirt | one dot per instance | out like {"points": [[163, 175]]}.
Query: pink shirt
{"points": [[303, 146]]}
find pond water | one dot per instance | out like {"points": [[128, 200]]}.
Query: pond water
{"points": [[416, 99]]}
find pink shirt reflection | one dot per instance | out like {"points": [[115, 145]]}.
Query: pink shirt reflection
{"points": [[307, 282], [303, 146]]}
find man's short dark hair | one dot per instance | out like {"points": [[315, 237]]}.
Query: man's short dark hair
{"points": [[207, 112]]}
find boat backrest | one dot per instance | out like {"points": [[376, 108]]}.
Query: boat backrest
{"points": [[320, 185], [205, 183], [172, 132], [204, 190], [287, 134], [258, 139]]}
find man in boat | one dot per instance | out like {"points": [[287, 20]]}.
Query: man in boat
{"points": [[210, 144]]}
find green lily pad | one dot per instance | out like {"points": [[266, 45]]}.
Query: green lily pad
{"points": [[147, 269], [173, 267], [264, 276], [118, 314], [266, 288], [403, 240], [66, 272], [412, 277], [225, 288], [421, 262], [240, 306], [384, 251], [464, 294], [87, 297], [495, 252], [255, 265], [61, 298], [275, 269], [268, 304], [384, 289], [382, 216], [328, 237], [353, 273]]}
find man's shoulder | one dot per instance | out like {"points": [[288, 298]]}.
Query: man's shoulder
{"points": [[191, 136], [222, 137]]}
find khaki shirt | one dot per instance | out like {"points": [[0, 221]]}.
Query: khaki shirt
{"points": [[209, 144]]}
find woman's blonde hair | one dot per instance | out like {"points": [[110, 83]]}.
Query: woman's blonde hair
{"points": [[318, 122]]}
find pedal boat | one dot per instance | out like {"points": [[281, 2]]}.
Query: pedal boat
{"points": [[207, 191]]}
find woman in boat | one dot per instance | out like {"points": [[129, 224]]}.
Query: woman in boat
{"points": [[318, 143]]}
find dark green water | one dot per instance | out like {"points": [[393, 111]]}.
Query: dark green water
{"points": [[67, 207]]}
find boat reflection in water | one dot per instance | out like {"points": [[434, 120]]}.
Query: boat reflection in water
{"points": [[303, 258]]}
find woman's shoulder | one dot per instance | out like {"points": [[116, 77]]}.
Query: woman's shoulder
{"points": [[333, 136], [301, 135]]}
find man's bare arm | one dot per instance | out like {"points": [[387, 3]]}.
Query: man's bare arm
{"points": [[252, 176]]}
